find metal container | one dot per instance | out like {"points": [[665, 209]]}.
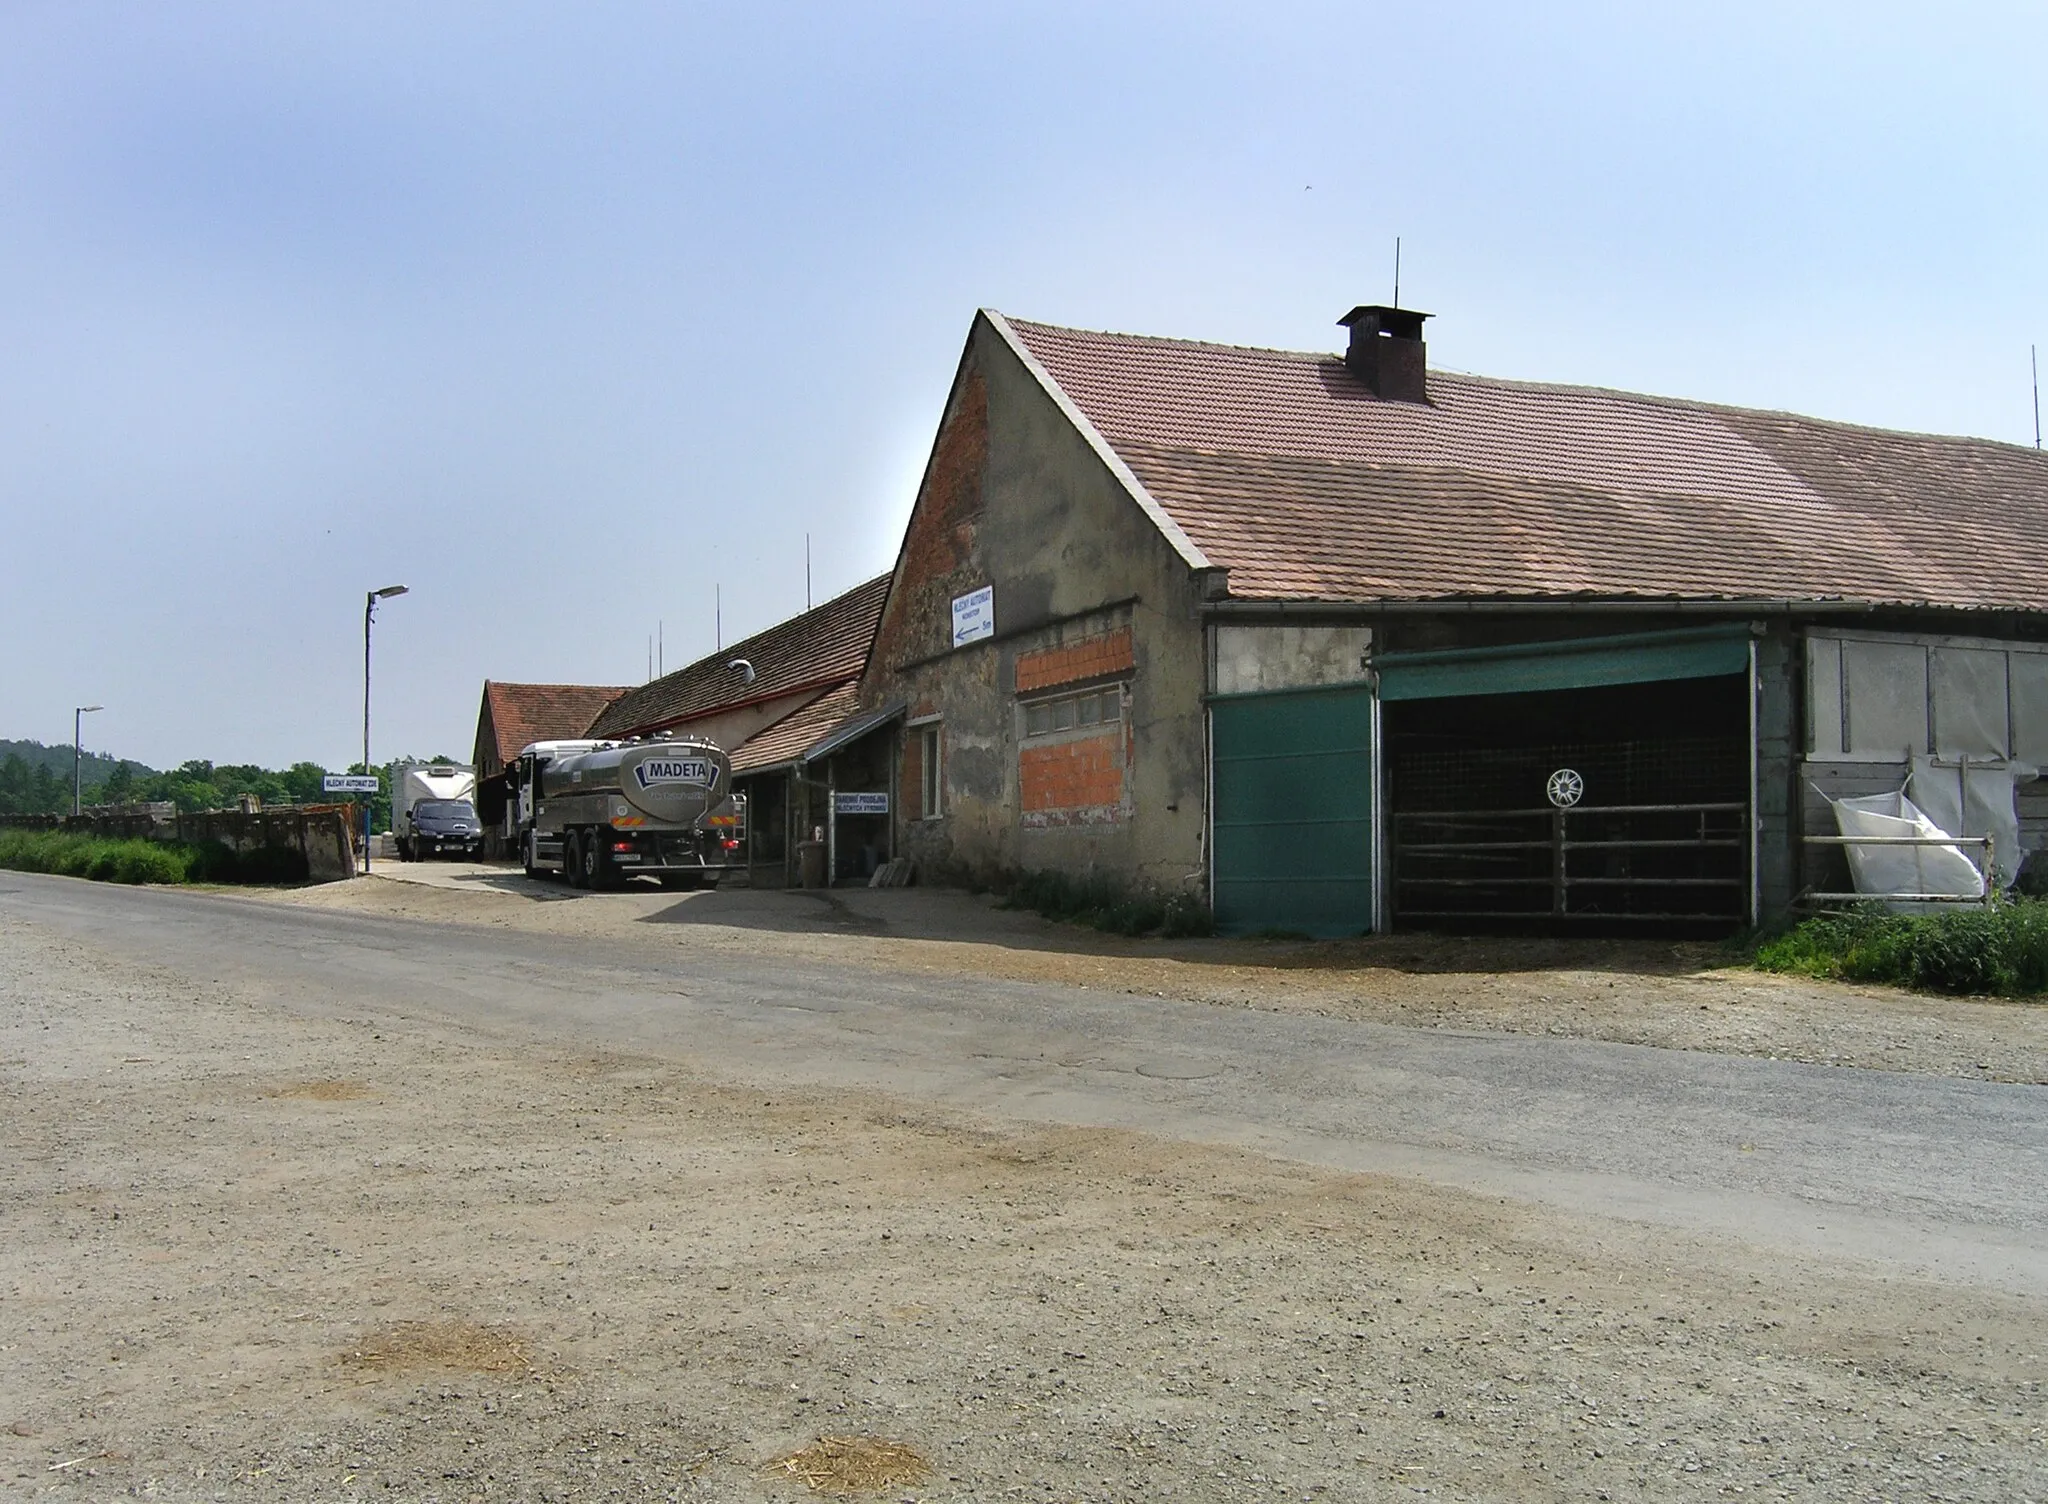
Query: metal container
{"points": [[674, 782]]}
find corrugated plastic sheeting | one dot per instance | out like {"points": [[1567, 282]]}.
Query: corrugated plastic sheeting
{"points": [[1882, 870], [1888, 698], [1991, 807], [1884, 686], [1968, 696], [1581, 664], [2027, 675]]}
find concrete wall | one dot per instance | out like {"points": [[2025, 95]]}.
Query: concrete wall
{"points": [[326, 834], [1087, 592], [1780, 717], [1253, 657]]}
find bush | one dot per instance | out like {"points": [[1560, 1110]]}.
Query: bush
{"points": [[1106, 904], [149, 862], [2001, 950], [71, 854]]}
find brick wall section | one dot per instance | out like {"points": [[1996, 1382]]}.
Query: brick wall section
{"points": [[1085, 773], [1070, 663], [937, 561]]}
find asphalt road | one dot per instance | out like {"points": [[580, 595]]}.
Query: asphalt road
{"points": [[1929, 1175]]}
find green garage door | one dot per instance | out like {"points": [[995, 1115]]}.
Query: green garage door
{"points": [[1293, 811]]}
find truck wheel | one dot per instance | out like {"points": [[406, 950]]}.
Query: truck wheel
{"points": [[526, 856], [593, 862], [572, 858]]}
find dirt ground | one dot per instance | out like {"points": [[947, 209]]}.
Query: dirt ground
{"points": [[1688, 996], [254, 1256]]}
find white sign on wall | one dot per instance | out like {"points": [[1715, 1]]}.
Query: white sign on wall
{"points": [[974, 616], [349, 783], [861, 804]]}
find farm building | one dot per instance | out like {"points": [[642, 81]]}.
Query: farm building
{"points": [[1345, 643], [780, 703], [513, 716]]}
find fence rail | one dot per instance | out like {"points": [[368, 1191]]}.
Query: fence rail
{"points": [[1986, 871], [1637, 863]]}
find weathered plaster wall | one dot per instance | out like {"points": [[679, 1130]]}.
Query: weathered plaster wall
{"points": [[1015, 498], [1255, 657]]}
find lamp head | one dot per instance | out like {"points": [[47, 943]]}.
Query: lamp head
{"points": [[388, 591], [84, 708]]}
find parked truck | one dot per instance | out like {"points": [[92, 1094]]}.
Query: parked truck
{"points": [[433, 810], [601, 812]]}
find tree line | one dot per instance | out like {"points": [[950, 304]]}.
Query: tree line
{"points": [[36, 780]]}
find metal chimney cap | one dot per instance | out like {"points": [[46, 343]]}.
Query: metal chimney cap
{"points": [[1401, 323]]}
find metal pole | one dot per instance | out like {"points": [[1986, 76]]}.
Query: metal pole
{"points": [[78, 715], [370, 600], [1756, 866], [369, 610]]}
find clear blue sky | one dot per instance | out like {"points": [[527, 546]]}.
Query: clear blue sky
{"points": [[561, 315]]}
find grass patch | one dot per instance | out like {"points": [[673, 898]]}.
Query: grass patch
{"points": [[104, 859], [444, 1344], [2000, 951], [1106, 904], [853, 1465]]}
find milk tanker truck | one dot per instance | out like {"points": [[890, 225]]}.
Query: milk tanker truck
{"points": [[601, 812]]}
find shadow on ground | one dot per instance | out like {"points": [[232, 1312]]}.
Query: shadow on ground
{"points": [[953, 916], [950, 915]]}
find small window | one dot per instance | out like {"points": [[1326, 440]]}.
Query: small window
{"points": [[928, 762], [1097, 707]]}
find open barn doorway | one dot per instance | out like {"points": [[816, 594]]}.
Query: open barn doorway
{"points": [[1587, 808]]}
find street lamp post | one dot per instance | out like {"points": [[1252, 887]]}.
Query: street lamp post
{"points": [[369, 614], [78, 715]]}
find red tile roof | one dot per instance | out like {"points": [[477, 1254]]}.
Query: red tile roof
{"points": [[1285, 470], [791, 736], [820, 649], [513, 715]]}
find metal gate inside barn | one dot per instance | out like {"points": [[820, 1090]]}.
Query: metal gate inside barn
{"points": [[1589, 785]]}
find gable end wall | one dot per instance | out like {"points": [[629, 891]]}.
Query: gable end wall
{"points": [[1016, 498]]}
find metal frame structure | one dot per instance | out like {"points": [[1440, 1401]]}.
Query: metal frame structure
{"points": [[1560, 879], [1986, 871]]}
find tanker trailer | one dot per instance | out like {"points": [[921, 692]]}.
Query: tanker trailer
{"points": [[662, 809]]}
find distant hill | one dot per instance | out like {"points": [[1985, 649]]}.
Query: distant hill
{"points": [[93, 767]]}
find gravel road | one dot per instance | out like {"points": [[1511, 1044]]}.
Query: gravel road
{"points": [[311, 1204], [1930, 1174]]}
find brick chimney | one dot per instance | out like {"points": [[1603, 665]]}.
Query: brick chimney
{"points": [[1387, 352]]}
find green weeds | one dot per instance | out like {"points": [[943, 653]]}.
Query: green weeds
{"points": [[102, 859], [2000, 951]]}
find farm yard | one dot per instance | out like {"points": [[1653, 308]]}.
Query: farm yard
{"points": [[390, 1236]]}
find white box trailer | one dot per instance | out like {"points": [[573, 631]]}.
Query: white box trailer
{"points": [[433, 810]]}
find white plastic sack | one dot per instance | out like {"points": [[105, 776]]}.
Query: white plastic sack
{"points": [[1992, 808], [1883, 870]]}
